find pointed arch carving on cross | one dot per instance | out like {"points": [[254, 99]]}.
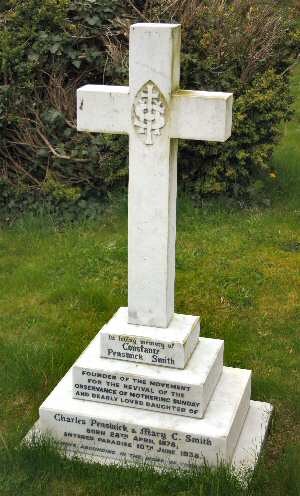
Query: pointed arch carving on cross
{"points": [[149, 112]]}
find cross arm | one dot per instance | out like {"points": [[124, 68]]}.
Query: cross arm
{"points": [[103, 109], [201, 115]]}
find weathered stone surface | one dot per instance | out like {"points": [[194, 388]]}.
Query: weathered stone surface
{"points": [[123, 433], [171, 347], [154, 53], [252, 437], [201, 115], [178, 392], [154, 112], [246, 453], [103, 109]]}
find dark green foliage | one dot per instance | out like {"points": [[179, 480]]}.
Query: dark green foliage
{"points": [[238, 165], [243, 47], [49, 48]]}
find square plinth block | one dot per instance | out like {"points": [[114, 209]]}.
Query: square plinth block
{"points": [[180, 392], [134, 435], [168, 347]]}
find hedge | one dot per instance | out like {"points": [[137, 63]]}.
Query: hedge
{"points": [[49, 48]]}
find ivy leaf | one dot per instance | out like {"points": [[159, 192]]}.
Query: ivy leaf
{"points": [[76, 63], [51, 115], [54, 48], [33, 57], [43, 35], [67, 132], [92, 21], [42, 153]]}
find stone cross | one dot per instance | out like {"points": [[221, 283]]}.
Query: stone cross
{"points": [[154, 112]]}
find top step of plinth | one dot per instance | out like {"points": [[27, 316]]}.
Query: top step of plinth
{"points": [[169, 347]]}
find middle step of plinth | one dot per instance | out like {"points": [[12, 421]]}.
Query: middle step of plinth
{"points": [[180, 392]]}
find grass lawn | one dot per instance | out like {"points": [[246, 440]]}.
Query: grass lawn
{"points": [[238, 268]]}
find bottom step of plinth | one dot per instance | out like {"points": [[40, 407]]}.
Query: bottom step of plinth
{"points": [[246, 454], [253, 436]]}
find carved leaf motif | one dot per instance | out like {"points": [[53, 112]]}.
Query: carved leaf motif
{"points": [[149, 112]]}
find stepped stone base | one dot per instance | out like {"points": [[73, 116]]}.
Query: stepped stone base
{"points": [[113, 411]]}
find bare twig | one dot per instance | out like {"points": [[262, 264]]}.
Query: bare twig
{"points": [[55, 153], [290, 67], [140, 14], [20, 168]]}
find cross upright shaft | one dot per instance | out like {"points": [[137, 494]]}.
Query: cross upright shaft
{"points": [[154, 112], [153, 56]]}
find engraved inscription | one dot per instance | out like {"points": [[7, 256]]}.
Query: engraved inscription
{"points": [[132, 442], [149, 112], [134, 348], [138, 392]]}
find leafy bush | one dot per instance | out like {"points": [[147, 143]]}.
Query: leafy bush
{"points": [[49, 48]]}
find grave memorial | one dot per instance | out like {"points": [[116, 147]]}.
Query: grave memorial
{"points": [[148, 388]]}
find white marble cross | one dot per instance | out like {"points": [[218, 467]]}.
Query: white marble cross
{"points": [[154, 112]]}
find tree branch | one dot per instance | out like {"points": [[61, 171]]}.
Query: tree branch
{"points": [[54, 152]]}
